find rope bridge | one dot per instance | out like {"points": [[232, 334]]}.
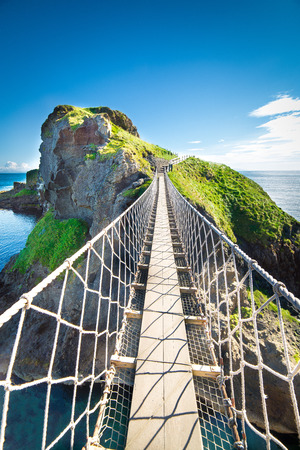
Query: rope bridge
{"points": [[95, 306]]}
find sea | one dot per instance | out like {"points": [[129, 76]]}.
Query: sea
{"points": [[283, 188], [14, 227]]}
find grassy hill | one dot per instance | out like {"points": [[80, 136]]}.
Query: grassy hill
{"points": [[238, 205]]}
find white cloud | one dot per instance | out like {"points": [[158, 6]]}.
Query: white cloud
{"points": [[221, 140], [278, 147], [194, 142], [11, 166], [283, 104]]}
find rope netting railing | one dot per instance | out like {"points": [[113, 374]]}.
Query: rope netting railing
{"points": [[178, 159], [61, 336], [253, 323]]}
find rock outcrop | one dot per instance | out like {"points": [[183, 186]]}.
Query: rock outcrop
{"points": [[78, 179], [75, 186], [23, 198]]}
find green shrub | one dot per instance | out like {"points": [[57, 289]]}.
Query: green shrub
{"points": [[32, 178], [135, 193]]}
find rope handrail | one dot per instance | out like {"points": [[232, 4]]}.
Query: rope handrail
{"points": [[244, 305], [277, 285], [178, 159], [26, 299], [81, 316]]}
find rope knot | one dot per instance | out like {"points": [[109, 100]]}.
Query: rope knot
{"points": [[277, 286], [232, 422], [227, 402], [252, 262], [69, 263], [239, 445], [28, 298]]}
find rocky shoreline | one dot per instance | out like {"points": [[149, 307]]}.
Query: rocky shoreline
{"points": [[24, 197]]}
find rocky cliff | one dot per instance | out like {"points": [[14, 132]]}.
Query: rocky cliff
{"points": [[89, 159], [93, 166], [24, 197]]}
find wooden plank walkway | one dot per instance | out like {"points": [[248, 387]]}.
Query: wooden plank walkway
{"points": [[163, 411]]}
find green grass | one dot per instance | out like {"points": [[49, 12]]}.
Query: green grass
{"points": [[261, 297], [133, 146], [136, 149], [238, 205], [296, 356], [51, 242], [135, 193], [25, 191], [76, 117], [90, 156]]}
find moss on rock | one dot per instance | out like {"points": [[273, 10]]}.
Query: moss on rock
{"points": [[76, 115]]}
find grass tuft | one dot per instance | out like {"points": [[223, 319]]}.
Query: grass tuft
{"points": [[135, 193], [25, 191], [51, 242]]}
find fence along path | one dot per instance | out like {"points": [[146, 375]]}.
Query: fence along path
{"points": [[213, 277]]}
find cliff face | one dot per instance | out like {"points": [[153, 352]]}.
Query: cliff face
{"points": [[80, 179], [92, 166]]}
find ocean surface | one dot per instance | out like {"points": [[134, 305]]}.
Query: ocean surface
{"points": [[14, 227], [283, 188]]}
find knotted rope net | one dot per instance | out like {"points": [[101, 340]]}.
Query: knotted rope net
{"points": [[80, 312], [253, 322]]}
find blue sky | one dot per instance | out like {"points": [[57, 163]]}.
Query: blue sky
{"points": [[219, 80]]}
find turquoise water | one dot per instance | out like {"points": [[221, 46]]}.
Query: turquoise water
{"points": [[25, 418], [14, 227], [7, 180]]}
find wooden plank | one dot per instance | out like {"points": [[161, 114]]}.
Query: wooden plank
{"points": [[138, 286], [132, 314], [143, 266], [195, 320], [206, 371], [179, 255], [183, 268], [163, 411], [188, 289], [123, 361]]}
